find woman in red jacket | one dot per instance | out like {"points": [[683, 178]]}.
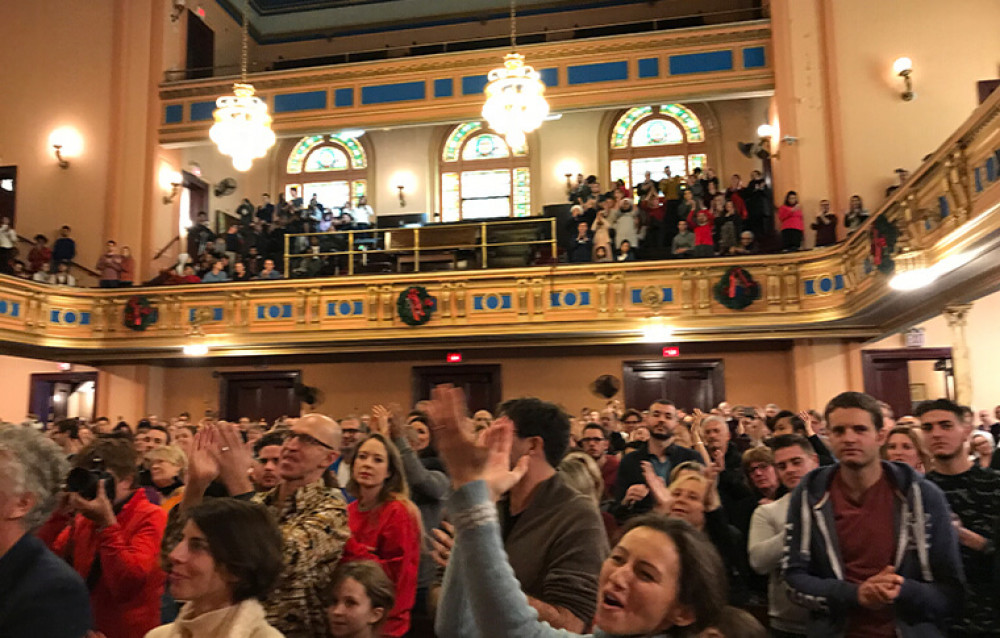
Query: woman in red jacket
{"points": [[114, 544], [385, 524], [792, 223]]}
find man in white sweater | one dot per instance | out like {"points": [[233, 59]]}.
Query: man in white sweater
{"points": [[794, 457]]}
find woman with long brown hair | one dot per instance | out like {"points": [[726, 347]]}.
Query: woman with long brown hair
{"points": [[385, 524]]}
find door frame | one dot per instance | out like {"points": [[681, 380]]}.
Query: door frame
{"points": [[493, 369], [715, 367], [870, 357], [225, 378], [40, 384]]}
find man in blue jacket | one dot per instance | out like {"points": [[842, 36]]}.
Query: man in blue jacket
{"points": [[870, 548]]}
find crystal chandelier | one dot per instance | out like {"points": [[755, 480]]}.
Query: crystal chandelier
{"points": [[242, 126], [515, 100]]}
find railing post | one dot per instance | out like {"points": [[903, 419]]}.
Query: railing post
{"points": [[286, 256], [482, 241], [554, 250], [350, 252], [416, 250]]}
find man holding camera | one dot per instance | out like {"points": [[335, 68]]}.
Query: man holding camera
{"points": [[110, 533]]}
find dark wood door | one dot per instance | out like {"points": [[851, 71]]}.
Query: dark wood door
{"points": [[887, 374], [482, 385], [46, 387], [688, 383], [8, 193], [259, 395], [200, 48]]}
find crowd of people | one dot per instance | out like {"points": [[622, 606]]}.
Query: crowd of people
{"points": [[43, 264], [624, 522], [692, 216]]}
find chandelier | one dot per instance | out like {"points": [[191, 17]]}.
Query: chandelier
{"points": [[515, 101], [242, 128]]}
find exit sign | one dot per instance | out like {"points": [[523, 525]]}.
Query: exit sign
{"points": [[454, 357], [671, 351]]}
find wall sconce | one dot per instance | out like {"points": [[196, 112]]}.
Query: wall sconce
{"points": [[66, 143], [171, 182], [178, 9], [903, 67], [174, 189], [402, 197], [765, 147]]}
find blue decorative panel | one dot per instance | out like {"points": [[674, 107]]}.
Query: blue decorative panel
{"points": [[68, 317], [444, 88], [216, 314], [53, 316], [599, 72], [10, 308], [201, 111], [492, 301], [707, 62], [308, 101], [399, 92], [275, 311], [570, 299], [991, 169], [173, 113], [472, 84], [550, 77], [753, 58], [649, 68], [944, 206], [810, 285], [838, 282], [343, 97], [667, 295], [826, 284], [344, 308], [979, 180]]}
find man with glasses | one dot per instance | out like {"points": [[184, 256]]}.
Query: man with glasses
{"points": [[306, 503], [595, 444]]}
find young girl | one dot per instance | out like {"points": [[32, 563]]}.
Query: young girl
{"points": [[385, 524], [360, 598]]}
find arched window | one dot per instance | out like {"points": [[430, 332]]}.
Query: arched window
{"points": [[334, 167], [648, 138], [482, 176]]}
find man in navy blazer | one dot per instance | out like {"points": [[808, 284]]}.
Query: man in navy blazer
{"points": [[40, 594]]}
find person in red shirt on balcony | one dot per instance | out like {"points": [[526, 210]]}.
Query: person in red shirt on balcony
{"points": [[701, 223], [113, 543], [792, 223], [385, 524]]}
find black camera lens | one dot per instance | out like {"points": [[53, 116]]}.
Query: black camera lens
{"points": [[84, 482]]}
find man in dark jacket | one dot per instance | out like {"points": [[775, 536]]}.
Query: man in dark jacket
{"points": [[633, 496], [870, 547], [40, 595]]}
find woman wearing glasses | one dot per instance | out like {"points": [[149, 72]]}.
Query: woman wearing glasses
{"points": [[385, 524]]}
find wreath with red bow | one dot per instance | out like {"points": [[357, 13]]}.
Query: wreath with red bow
{"points": [[139, 313], [737, 289], [415, 306], [884, 235]]}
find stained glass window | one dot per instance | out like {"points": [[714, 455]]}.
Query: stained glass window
{"points": [[649, 138], [482, 176], [327, 158], [298, 155], [297, 158]]}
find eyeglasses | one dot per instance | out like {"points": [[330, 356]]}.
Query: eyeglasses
{"points": [[350, 431], [757, 467], [308, 439], [592, 439], [631, 422]]}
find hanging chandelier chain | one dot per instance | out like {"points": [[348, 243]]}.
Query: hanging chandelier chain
{"points": [[243, 55], [513, 26]]}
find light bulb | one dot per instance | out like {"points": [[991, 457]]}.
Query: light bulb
{"points": [[902, 65], [765, 130]]}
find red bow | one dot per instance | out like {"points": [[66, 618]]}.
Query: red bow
{"points": [[878, 244], [416, 308], [737, 277], [138, 312]]}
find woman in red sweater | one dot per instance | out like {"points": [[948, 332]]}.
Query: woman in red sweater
{"points": [[792, 223], [385, 524], [701, 223]]}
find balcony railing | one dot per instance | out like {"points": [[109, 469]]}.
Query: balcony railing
{"points": [[436, 243]]}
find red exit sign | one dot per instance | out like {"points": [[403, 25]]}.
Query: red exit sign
{"points": [[453, 357], [671, 351]]}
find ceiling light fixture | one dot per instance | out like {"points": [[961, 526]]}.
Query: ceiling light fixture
{"points": [[515, 96], [195, 350], [242, 128], [657, 332]]}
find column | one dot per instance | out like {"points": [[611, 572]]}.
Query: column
{"points": [[957, 317]]}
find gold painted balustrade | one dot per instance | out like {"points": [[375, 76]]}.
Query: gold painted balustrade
{"points": [[949, 208]]}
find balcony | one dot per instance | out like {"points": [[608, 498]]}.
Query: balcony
{"points": [[946, 214]]}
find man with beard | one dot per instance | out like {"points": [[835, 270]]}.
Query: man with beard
{"points": [[870, 549], [595, 444], [632, 493], [306, 503], [974, 495], [794, 457], [267, 454]]}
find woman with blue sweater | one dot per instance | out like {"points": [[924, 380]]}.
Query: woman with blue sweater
{"points": [[663, 579]]}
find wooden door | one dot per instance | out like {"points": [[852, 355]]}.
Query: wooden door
{"points": [[887, 374], [8, 194], [45, 387], [688, 383], [259, 395], [200, 48], [482, 385]]}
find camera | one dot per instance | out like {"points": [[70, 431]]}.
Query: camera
{"points": [[84, 481]]}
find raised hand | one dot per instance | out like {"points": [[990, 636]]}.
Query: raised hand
{"points": [[203, 464], [807, 419], [380, 420], [235, 459], [442, 542], [98, 509], [662, 499]]}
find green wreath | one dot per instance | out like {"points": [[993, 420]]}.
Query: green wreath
{"points": [[139, 313], [415, 306], [883, 237], [737, 289]]}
